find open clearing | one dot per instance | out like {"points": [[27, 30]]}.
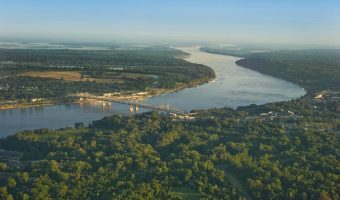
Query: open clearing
{"points": [[234, 180], [66, 75], [186, 192], [77, 76]]}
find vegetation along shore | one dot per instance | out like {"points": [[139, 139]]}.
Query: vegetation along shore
{"points": [[42, 76], [283, 150]]}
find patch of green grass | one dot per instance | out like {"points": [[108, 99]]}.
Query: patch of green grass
{"points": [[186, 192], [236, 178], [65, 133]]}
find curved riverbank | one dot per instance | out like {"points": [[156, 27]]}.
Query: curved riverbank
{"points": [[150, 93], [313, 69], [233, 86]]}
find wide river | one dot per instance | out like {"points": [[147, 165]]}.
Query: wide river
{"points": [[234, 86]]}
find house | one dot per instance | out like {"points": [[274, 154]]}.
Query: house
{"points": [[142, 93], [36, 99], [108, 94], [318, 96], [290, 112]]}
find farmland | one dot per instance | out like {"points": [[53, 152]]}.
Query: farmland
{"points": [[111, 77]]}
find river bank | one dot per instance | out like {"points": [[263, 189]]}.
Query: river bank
{"points": [[232, 87], [32, 105], [146, 94], [301, 67]]}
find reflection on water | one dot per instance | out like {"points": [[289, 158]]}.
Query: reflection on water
{"points": [[56, 116], [234, 86]]}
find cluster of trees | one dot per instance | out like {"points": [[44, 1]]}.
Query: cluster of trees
{"points": [[232, 50], [31, 87], [312, 69], [148, 56], [172, 76], [146, 156]]}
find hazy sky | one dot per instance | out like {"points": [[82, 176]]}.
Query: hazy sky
{"points": [[234, 21]]}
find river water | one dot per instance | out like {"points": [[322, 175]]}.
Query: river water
{"points": [[234, 86]]}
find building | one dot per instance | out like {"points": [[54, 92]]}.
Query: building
{"points": [[36, 99], [142, 93]]}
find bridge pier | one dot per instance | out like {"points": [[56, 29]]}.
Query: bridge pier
{"points": [[134, 108]]}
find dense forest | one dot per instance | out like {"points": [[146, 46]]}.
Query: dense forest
{"points": [[224, 154], [148, 56], [312, 69], [232, 50], [25, 88]]}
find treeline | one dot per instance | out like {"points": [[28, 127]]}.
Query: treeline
{"points": [[21, 87], [171, 76], [146, 156], [153, 56], [165, 63], [25, 88], [312, 69], [232, 51]]}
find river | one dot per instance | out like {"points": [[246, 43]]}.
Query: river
{"points": [[234, 86]]}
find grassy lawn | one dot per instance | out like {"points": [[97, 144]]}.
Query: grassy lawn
{"points": [[186, 192], [66, 133], [235, 178]]}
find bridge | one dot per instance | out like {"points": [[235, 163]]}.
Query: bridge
{"points": [[134, 105]]}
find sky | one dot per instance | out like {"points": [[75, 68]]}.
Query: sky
{"points": [[229, 21]]}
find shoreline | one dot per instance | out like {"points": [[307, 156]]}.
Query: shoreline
{"points": [[151, 93], [242, 57], [307, 92], [27, 105]]}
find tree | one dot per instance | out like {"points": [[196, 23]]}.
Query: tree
{"points": [[25, 196], [23, 177], [53, 165], [4, 194], [41, 187], [324, 196], [3, 166], [78, 125], [11, 183]]}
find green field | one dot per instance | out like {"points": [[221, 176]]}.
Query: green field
{"points": [[186, 193]]}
